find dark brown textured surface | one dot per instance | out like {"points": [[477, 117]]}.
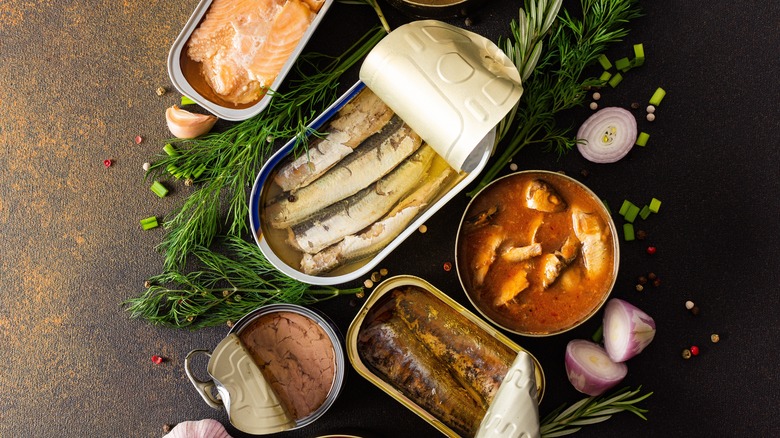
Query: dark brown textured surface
{"points": [[77, 84]]}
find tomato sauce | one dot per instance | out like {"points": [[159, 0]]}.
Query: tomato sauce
{"points": [[549, 291]]}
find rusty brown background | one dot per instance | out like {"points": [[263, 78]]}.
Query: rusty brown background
{"points": [[77, 85]]}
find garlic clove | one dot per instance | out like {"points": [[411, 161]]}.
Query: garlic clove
{"points": [[206, 428], [184, 124]]}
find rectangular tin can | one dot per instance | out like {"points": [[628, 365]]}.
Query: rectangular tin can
{"points": [[185, 76], [379, 298], [454, 94]]}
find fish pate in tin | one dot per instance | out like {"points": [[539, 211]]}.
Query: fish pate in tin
{"points": [[432, 355], [386, 158], [231, 53]]}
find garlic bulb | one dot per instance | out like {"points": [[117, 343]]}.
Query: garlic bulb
{"points": [[206, 428], [184, 124]]}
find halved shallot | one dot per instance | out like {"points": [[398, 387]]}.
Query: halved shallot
{"points": [[607, 135], [627, 330], [590, 369], [184, 124]]}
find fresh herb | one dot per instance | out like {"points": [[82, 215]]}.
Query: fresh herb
{"points": [[149, 223], [222, 289], [558, 80], [592, 410], [376, 8], [226, 162], [159, 189]]}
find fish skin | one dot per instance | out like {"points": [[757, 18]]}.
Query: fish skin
{"points": [[379, 234], [541, 196], [477, 360], [592, 234], [361, 117], [394, 353], [352, 214], [355, 172], [486, 254]]}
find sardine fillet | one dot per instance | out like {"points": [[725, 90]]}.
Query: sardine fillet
{"points": [[360, 118], [354, 173], [591, 232], [379, 234], [395, 354], [239, 43], [479, 361], [362, 209]]}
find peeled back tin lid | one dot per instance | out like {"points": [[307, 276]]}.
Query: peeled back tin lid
{"points": [[251, 403], [514, 411], [451, 86]]}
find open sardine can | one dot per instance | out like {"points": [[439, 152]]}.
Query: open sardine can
{"points": [[537, 252], [444, 363], [281, 367], [416, 129], [219, 58]]}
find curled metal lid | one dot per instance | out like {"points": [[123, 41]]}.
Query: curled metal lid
{"points": [[514, 411], [450, 85], [250, 401]]}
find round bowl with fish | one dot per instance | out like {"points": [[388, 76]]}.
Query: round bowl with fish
{"points": [[537, 253]]}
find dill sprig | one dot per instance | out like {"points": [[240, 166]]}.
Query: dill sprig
{"points": [[592, 410], [558, 81], [374, 5], [222, 289], [226, 162]]}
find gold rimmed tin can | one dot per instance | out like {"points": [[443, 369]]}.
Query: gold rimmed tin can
{"points": [[388, 331]]}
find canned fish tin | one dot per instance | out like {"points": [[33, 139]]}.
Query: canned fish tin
{"points": [[431, 354], [232, 82], [281, 367], [537, 252], [382, 165]]}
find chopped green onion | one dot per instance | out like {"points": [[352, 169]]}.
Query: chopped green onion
{"points": [[639, 54], [616, 79], [170, 150], [658, 96], [199, 171], [159, 189], [631, 213], [605, 76], [149, 223], [655, 204], [175, 171], [641, 140], [628, 232], [624, 207], [644, 212], [604, 61], [598, 335], [623, 64], [187, 101]]}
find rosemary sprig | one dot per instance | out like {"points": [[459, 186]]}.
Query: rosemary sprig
{"points": [[229, 159], [558, 80], [592, 410], [222, 289]]}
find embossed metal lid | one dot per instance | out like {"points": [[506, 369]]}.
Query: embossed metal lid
{"points": [[450, 85], [250, 401]]}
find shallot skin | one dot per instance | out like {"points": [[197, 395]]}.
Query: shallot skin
{"points": [[206, 428]]}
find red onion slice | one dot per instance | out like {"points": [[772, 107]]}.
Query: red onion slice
{"points": [[590, 369], [607, 135], [627, 330]]}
